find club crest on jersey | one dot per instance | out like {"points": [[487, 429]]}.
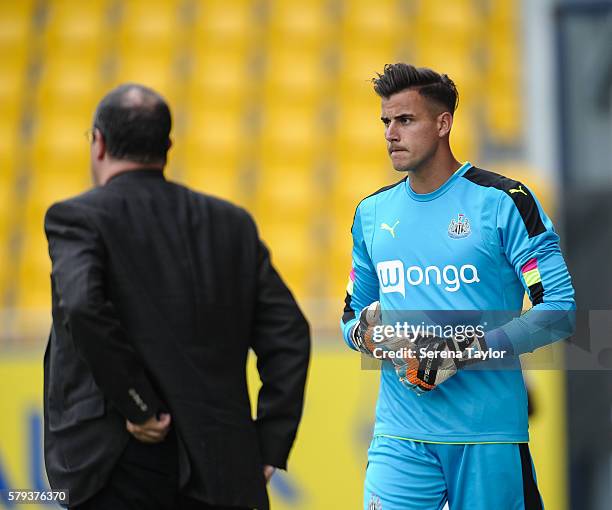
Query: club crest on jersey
{"points": [[459, 227]]}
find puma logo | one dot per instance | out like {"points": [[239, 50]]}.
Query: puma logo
{"points": [[391, 230], [519, 190]]}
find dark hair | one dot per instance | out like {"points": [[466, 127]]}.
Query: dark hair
{"points": [[398, 77], [135, 122]]}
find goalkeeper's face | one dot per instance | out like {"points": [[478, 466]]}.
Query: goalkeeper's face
{"points": [[414, 129]]}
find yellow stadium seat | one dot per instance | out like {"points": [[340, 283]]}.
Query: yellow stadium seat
{"points": [[34, 263], [149, 20], [15, 35], [218, 176], [503, 116], [359, 129], [290, 248], [60, 156], [147, 44], [502, 81], [15, 31], [444, 19], [57, 181], [7, 203], [228, 24], [213, 149], [367, 20], [219, 75], [464, 136], [155, 71], [15, 22], [290, 190], [338, 270], [290, 130], [360, 63], [9, 144], [357, 179], [76, 27], [70, 83], [4, 271], [503, 49], [305, 24], [214, 130], [502, 14], [34, 289], [13, 70], [295, 76]]}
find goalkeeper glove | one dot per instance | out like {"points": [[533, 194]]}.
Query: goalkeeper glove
{"points": [[437, 360], [362, 335]]}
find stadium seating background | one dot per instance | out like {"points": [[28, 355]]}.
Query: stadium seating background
{"points": [[273, 109]]}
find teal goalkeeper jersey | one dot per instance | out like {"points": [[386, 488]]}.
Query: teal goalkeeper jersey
{"points": [[472, 247]]}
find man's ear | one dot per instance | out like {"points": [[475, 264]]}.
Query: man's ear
{"points": [[445, 123], [100, 146]]}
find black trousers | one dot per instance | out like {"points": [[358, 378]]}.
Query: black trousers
{"points": [[146, 478]]}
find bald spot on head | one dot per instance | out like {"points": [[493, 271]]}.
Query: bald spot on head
{"points": [[135, 122], [137, 96]]}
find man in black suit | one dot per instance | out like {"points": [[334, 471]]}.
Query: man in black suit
{"points": [[159, 292]]}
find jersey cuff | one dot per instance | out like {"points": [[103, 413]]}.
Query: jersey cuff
{"points": [[517, 335], [347, 332], [498, 341]]}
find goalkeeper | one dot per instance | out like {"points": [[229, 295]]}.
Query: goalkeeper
{"points": [[452, 245]]}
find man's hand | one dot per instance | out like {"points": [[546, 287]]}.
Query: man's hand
{"points": [[268, 471], [436, 360], [363, 332], [365, 339], [152, 430]]}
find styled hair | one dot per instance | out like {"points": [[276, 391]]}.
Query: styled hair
{"points": [[434, 86], [135, 122]]}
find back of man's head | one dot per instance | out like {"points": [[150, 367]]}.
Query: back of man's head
{"points": [[135, 122]]}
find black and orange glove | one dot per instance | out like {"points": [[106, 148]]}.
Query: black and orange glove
{"points": [[367, 334], [436, 360]]}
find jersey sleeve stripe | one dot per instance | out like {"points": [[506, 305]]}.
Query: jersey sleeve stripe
{"points": [[536, 293], [532, 277], [533, 280], [530, 265], [349, 313], [520, 195], [349, 286]]}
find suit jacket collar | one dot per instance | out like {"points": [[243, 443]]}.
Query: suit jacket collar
{"points": [[137, 174]]}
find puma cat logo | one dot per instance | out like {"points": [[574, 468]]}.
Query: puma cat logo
{"points": [[391, 230]]}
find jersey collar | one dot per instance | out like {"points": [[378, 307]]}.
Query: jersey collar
{"points": [[425, 197]]}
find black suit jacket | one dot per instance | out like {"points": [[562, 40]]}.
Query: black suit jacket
{"points": [[158, 294]]}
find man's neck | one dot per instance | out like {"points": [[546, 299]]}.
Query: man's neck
{"points": [[430, 177], [120, 167]]}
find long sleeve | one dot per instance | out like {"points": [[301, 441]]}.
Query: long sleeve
{"points": [[281, 341], [531, 246], [362, 288], [78, 280]]}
